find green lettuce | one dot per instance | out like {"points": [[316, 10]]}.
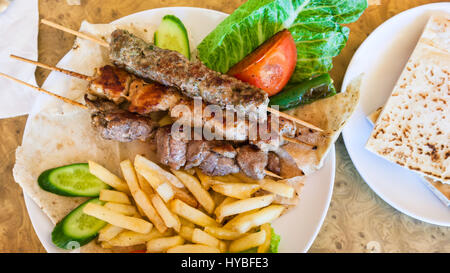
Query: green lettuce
{"points": [[316, 26]]}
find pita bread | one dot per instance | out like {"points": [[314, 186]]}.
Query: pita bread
{"points": [[413, 129], [68, 136], [329, 114]]}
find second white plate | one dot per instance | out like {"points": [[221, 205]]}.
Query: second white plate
{"points": [[382, 58]]}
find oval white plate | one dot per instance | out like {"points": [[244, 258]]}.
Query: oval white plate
{"points": [[382, 58], [300, 226]]}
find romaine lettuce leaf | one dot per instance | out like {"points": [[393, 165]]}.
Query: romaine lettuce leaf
{"points": [[314, 24]]}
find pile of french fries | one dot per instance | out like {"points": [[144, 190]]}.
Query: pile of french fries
{"points": [[186, 211]]}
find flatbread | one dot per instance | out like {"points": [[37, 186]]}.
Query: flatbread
{"points": [[413, 129], [58, 134], [330, 115]]}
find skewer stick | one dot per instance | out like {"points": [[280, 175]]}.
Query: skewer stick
{"points": [[269, 173], [105, 44], [75, 103], [54, 68], [294, 119], [76, 33], [296, 141]]}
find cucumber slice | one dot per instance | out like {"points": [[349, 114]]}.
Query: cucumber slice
{"points": [[77, 228], [172, 34], [72, 180]]}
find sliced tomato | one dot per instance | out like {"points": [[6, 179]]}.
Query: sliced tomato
{"points": [[271, 65]]}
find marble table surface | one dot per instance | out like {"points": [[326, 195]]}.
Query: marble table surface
{"points": [[357, 220]]}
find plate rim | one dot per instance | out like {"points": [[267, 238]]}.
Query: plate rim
{"points": [[31, 205], [346, 132]]}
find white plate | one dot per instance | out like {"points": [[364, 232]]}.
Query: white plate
{"points": [[300, 226], [382, 58]]}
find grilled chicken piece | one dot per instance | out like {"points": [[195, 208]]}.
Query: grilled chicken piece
{"points": [[117, 124], [111, 82], [151, 97], [252, 161], [194, 79], [171, 151]]}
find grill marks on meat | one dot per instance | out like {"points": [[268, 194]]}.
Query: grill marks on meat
{"points": [[117, 85], [192, 78], [151, 97], [252, 161], [117, 124], [111, 82]]}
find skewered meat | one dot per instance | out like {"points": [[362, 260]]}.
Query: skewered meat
{"points": [[252, 161], [197, 151], [117, 85], [171, 151], [117, 124], [111, 83], [273, 163], [194, 79], [218, 165]]}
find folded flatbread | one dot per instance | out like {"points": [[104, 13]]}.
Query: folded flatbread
{"points": [[413, 129], [331, 115]]}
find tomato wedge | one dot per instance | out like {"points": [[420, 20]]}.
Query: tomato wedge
{"points": [[271, 65]]}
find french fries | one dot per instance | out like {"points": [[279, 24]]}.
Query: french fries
{"points": [[108, 232], [131, 238], [262, 216], [193, 248], [130, 176], [223, 233], [243, 205], [169, 219], [194, 215], [144, 185], [165, 190], [194, 186], [146, 166], [243, 178], [201, 237], [143, 201], [108, 177], [248, 241], [121, 208], [236, 190], [181, 209], [162, 244], [278, 188], [186, 232], [206, 180], [184, 196], [117, 219], [264, 248], [114, 196]]}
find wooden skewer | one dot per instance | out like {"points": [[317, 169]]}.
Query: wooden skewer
{"points": [[296, 141], [75, 103], [54, 68], [269, 173], [69, 101], [105, 44], [88, 78], [294, 119], [76, 33]]}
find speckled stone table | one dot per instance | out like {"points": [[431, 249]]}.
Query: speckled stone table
{"points": [[357, 220]]}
